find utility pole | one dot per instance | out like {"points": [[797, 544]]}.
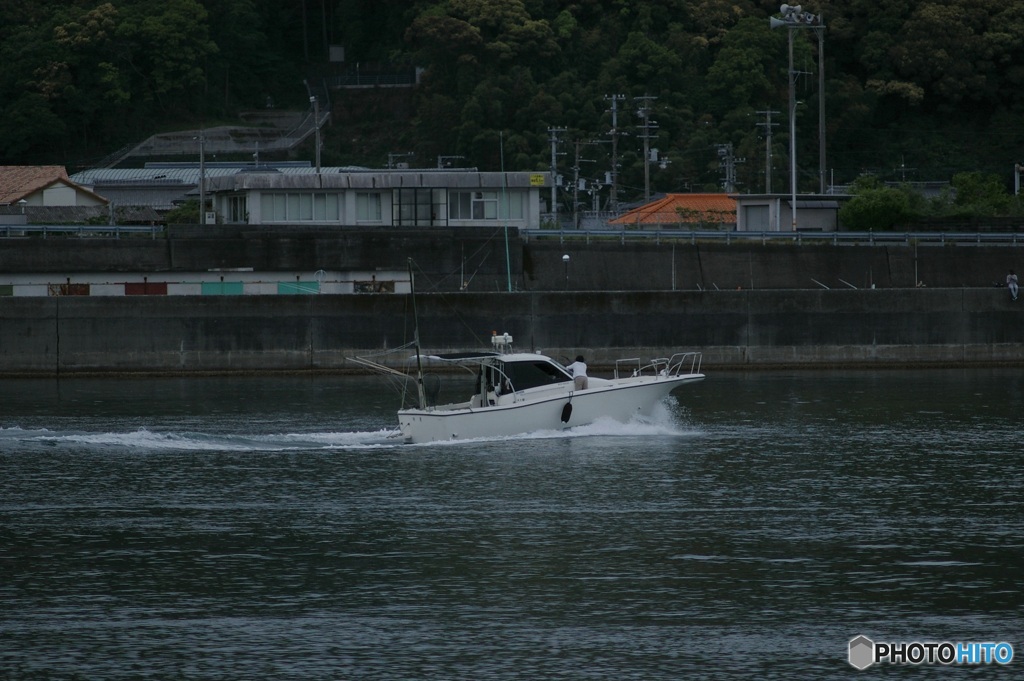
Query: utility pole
{"points": [[576, 187], [903, 169], [393, 156], [202, 178], [768, 125], [613, 199], [595, 195], [644, 112], [447, 161], [553, 139], [728, 163], [576, 184]]}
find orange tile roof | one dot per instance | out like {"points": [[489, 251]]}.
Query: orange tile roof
{"points": [[676, 209]]}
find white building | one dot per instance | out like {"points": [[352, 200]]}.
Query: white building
{"points": [[774, 212], [388, 198]]}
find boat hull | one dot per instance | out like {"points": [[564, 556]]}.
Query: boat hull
{"points": [[524, 413]]}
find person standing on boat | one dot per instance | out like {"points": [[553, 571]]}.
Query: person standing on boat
{"points": [[578, 369], [1011, 283]]}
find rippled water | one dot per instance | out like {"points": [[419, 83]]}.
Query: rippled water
{"points": [[272, 528]]}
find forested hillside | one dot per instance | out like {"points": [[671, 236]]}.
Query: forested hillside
{"points": [[915, 89]]}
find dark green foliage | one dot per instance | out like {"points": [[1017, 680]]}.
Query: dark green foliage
{"points": [[874, 206], [915, 89], [970, 195], [185, 214]]}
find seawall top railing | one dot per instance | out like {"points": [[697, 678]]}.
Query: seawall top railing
{"points": [[799, 237], [621, 235], [115, 231]]}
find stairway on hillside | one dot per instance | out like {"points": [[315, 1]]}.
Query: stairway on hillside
{"points": [[265, 130]]}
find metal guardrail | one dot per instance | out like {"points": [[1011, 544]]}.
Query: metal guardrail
{"points": [[81, 230], [621, 235], [356, 79], [799, 238]]}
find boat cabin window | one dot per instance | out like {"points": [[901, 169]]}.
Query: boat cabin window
{"points": [[524, 375]]}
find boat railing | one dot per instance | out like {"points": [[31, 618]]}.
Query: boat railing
{"points": [[625, 364], [683, 363], [679, 364]]}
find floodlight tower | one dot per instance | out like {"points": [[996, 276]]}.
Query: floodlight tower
{"points": [[794, 17]]}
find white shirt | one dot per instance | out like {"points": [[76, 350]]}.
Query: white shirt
{"points": [[577, 369]]}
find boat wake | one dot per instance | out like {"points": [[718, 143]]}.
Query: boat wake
{"points": [[144, 439], [665, 422]]}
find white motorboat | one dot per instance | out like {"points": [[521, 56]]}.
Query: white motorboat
{"points": [[522, 392], [526, 392]]}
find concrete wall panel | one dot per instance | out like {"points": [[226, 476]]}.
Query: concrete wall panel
{"points": [[28, 335], [302, 332]]}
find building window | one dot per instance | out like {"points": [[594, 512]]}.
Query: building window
{"points": [[368, 207], [486, 205], [304, 207], [460, 205], [418, 207], [237, 209], [515, 209]]}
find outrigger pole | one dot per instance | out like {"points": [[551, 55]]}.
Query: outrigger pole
{"points": [[420, 394]]}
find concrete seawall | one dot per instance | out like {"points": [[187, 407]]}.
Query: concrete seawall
{"points": [[745, 328], [487, 262]]}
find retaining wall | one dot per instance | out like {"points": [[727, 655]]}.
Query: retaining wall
{"points": [[448, 258], [745, 328]]}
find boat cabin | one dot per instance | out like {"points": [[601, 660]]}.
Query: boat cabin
{"points": [[512, 373], [499, 374]]}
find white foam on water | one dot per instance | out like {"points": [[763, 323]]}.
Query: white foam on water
{"points": [[665, 422], [144, 439]]}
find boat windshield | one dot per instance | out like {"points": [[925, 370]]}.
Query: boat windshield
{"points": [[525, 375]]}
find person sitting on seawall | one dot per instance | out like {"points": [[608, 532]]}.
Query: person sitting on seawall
{"points": [[578, 369], [1011, 283]]}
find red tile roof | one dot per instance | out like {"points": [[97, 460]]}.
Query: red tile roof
{"points": [[19, 182], [675, 209]]}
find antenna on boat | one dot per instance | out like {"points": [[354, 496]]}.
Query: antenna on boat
{"points": [[420, 393]]}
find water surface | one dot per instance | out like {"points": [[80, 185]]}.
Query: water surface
{"points": [[275, 527]]}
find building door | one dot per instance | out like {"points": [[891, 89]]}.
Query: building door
{"points": [[756, 218]]}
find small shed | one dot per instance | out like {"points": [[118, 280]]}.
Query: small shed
{"points": [[774, 212]]}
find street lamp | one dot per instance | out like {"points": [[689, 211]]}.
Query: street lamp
{"points": [[793, 16], [565, 261], [316, 121], [202, 177]]}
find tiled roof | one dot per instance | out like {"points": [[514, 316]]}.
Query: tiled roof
{"points": [[19, 182], [676, 209]]}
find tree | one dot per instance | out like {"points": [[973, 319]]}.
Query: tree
{"points": [[980, 194], [874, 206], [744, 73], [162, 45], [185, 214]]}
